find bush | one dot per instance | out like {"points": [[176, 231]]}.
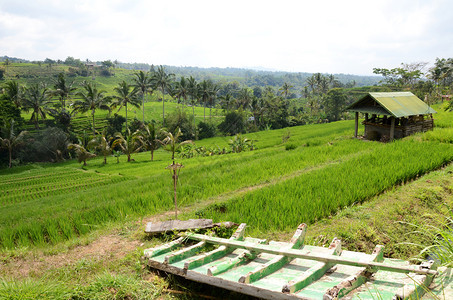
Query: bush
{"points": [[179, 119], [290, 146], [206, 130], [115, 124], [234, 123]]}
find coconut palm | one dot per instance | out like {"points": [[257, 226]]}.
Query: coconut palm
{"points": [[205, 94], [226, 102], [150, 138], [144, 83], [126, 94], [286, 89], [182, 90], [163, 81], [91, 99], [37, 99], [82, 154], [213, 90], [101, 144], [192, 87], [14, 92], [63, 89], [244, 98], [131, 143], [11, 140]]}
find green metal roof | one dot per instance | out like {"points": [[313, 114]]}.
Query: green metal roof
{"points": [[397, 104]]}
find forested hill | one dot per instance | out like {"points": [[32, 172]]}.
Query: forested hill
{"points": [[243, 76]]}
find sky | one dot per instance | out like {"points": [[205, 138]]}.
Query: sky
{"points": [[348, 36]]}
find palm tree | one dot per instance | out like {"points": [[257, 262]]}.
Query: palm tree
{"points": [[163, 80], [172, 144], [101, 144], [36, 98], [182, 90], [82, 154], [92, 99], [286, 89], [205, 94], [193, 92], [244, 98], [226, 102], [126, 95], [144, 83], [11, 140], [149, 138], [63, 89], [214, 89], [14, 92], [129, 144]]}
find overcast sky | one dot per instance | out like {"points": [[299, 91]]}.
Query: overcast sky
{"points": [[300, 36]]}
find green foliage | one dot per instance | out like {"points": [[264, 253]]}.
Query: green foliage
{"points": [[115, 124], [180, 119], [206, 130], [8, 112], [234, 123]]}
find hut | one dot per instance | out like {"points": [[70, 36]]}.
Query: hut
{"points": [[392, 115]]}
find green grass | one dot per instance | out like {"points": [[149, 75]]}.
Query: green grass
{"points": [[326, 171]]}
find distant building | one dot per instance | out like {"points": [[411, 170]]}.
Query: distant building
{"points": [[392, 115]]}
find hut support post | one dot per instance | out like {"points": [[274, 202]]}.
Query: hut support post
{"points": [[356, 123], [392, 128]]}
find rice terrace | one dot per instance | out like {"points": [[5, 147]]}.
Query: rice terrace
{"points": [[226, 150]]}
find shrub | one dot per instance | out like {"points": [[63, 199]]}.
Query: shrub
{"points": [[234, 123], [206, 130]]}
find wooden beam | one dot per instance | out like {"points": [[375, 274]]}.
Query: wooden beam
{"points": [[220, 252], [295, 253], [352, 282], [356, 124], [184, 253], [278, 261], [392, 128], [164, 248], [314, 273]]}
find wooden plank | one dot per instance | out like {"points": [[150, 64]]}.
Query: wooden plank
{"points": [[277, 262], [313, 256], [184, 253], [177, 225], [417, 285], [354, 281], [314, 273], [392, 128], [356, 131], [164, 248], [218, 253]]}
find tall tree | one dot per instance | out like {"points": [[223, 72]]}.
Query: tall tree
{"points": [[37, 99], [143, 82], [286, 89], [205, 94], [82, 154], [131, 143], [101, 144], [91, 99], [63, 89], [150, 138], [10, 140], [163, 80], [182, 90], [126, 94], [213, 90], [193, 92], [14, 92]]}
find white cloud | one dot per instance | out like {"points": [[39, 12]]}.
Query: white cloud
{"points": [[308, 36]]}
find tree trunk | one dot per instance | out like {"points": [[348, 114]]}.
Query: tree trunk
{"points": [[105, 159], [128, 157], [10, 156], [163, 107], [143, 107], [94, 130], [127, 131], [204, 111], [152, 154], [193, 113]]}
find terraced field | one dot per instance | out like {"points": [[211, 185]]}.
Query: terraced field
{"points": [[272, 189]]}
